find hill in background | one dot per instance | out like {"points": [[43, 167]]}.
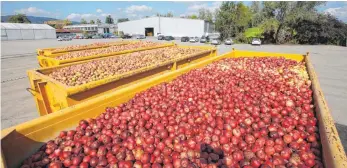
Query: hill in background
{"points": [[33, 19]]}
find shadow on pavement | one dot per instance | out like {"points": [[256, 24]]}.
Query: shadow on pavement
{"points": [[342, 129]]}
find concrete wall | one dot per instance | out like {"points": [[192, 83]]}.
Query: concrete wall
{"points": [[138, 26], [179, 27], [176, 27]]}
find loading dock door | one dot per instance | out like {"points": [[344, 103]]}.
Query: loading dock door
{"points": [[149, 31]]}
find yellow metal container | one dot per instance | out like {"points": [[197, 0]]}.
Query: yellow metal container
{"points": [[50, 51], [51, 95], [20, 141], [49, 61]]}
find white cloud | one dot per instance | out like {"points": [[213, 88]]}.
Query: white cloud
{"points": [[33, 11], [138, 8], [99, 10], [193, 9], [196, 7], [132, 15], [339, 12], [105, 14]]}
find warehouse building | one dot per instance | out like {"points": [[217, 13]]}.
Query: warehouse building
{"points": [[21, 31], [170, 26], [94, 28]]}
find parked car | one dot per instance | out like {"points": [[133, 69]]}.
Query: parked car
{"points": [[64, 38], [97, 37], [126, 36], [161, 37], [141, 36], [87, 36], [184, 39], [204, 39], [228, 41], [169, 38], [196, 39], [215, 42], [256, 41], [192, 39]]}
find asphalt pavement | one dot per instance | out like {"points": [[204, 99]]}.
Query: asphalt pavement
{"points": [[18, 106]]}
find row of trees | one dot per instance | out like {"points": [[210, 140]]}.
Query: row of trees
{"points": [[108, 20], [277, 22]]}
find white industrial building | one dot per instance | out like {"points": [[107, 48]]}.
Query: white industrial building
{"points": [[93, 28], [22, 31], [170, 26]]}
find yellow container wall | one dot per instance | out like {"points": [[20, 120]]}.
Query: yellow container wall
{"points": [[49, 61], [49, 51], [51, 95], [20, 141]]}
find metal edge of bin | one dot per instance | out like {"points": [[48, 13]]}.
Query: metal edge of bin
{"points": [[48, 60], [53, 63], [333, 152], [90, 85], [48, 51], [43, 98], [45, 61], [58, 53], [112, 54], [31, 128], [76, 89]]}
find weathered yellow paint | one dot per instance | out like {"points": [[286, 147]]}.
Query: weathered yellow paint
{"points": [[333, 152], [240, 53], [49, 51], [49, 61], [20, 141], [51, 95]]}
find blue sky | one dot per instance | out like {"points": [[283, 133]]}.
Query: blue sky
{"points": [[133, 10]]}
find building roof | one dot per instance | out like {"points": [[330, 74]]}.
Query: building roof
{"points": [[157, 17], [25, 26], [91, 25], [68, 31], [82, 25]]}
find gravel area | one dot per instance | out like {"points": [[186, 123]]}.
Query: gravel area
{"points": [[18, 106]]}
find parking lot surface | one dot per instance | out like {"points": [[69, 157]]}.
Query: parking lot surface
{"points": [[18, 106]]}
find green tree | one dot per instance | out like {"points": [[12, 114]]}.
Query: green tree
{"points": [[67, 22], [91, 22], [109, 20], [257, 15], [83, 21], [325, 29], [120, 20], [169, 14], [19, 18], [287, 13], [232, 19], [193, 17], [98, 21], [205, 14]]}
